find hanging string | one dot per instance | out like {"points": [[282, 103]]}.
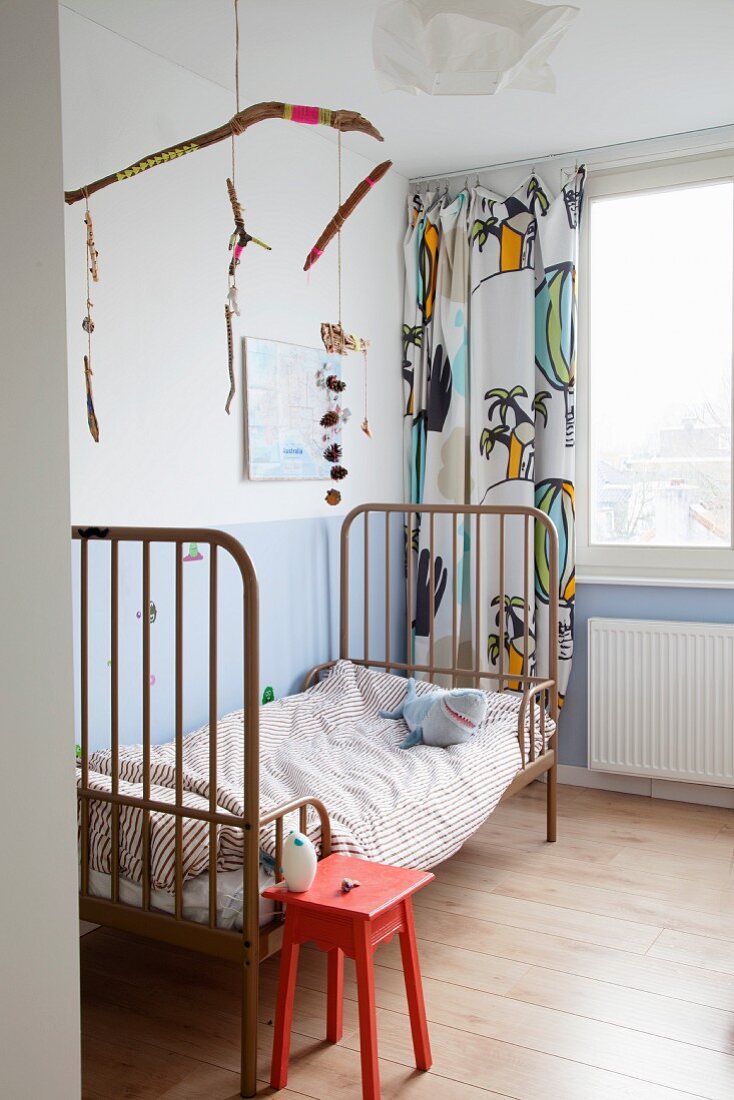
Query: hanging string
{"points": [[88, 324], [236, 80], [366, 422], [339, 231]]}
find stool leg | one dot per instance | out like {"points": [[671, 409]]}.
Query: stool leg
{"points": [[414, 989], [363, 954], [335, 995], [284, 1008]]}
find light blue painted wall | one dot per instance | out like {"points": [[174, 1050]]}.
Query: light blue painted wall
{"points": [[706, 605], [297, 564]]}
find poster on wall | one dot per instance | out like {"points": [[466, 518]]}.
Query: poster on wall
{"points": [[283, 407]]}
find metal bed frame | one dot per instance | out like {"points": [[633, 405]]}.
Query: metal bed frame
{"points": [[253, 944]]}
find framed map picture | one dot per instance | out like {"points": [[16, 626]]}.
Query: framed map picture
{"points": [[283, 407]]}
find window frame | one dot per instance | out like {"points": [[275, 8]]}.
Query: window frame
{"points": [[599, 563]]}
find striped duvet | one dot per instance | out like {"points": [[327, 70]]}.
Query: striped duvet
{"points": [[413, 807]]}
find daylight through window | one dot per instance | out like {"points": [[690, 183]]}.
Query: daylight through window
{"points": [[660, 366]]}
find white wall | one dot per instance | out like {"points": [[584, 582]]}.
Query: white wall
{"points": [[168, 453], [39, 998]]}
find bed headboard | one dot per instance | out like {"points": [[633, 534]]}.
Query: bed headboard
{"points": [[460, 607]]}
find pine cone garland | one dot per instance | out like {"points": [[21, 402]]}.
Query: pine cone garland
{"points": [[329, 419], [333, 496], [336, 385], [333, 453], [338, 473]]}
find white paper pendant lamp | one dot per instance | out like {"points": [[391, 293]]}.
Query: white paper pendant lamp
{"points": [[468, 47]]}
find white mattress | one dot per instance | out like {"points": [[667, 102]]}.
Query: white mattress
{"points": [[195, 897]]}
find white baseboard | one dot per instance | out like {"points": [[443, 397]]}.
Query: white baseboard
{"points": [[699, 793]]}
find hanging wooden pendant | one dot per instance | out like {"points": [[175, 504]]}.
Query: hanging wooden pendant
{"points": [[338, 342], [238, 241], [230, 356], [333, 229], [92, 253], [365, 423], [91, 415], [88, 325]]}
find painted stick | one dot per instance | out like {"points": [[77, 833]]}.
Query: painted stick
{"points": [[240, 238], [91, 415], [345, 210], [258, 112], [230, 357], [92, 253]]}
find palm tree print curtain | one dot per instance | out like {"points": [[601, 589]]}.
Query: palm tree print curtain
{"points": [[489, 367]]}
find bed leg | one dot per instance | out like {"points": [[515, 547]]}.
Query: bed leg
{"points": [[248, 1075], [551, 803]]}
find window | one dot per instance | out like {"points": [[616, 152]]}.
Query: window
{"points": [[655, 374]]}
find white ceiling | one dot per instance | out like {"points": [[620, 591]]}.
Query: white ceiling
{"points": [[627, 70]]}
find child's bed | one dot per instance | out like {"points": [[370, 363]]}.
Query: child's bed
{"points": [[177, 840]]}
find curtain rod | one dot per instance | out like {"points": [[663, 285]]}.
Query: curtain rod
{"points": [[585, 154]]}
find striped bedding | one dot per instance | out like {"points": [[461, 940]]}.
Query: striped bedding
{"points": [[412, 807]]}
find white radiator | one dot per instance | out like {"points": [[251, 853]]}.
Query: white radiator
{"points": [[661, 700]]}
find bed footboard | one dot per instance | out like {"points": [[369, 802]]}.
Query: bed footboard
{"points": [[101, 545]]}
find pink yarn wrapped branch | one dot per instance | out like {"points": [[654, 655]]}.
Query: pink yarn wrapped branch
{"points": [[346, 208]]}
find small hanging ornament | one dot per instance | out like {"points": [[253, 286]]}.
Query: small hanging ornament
{"points": [[233, 302], [338, 473], [333, 452], [333, 496], [330, 419], [338, 342], [335, 384]]}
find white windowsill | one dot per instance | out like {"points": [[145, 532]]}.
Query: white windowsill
{"points": [[656, 581]]}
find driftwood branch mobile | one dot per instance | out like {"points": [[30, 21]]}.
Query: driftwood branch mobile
{"points": [[343, 121], [340, 120]]}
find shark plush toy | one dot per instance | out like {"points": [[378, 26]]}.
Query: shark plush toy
{"points": [[440, 718]]}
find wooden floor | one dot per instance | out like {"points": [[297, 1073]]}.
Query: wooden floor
{"points": [[599, 967]]}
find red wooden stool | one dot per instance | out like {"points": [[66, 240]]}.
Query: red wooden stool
{"points": [[351, 924]]}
